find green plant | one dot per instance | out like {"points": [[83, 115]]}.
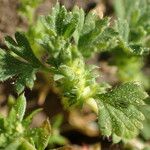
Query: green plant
{"points": [[15, 130], [67, 39], [133, 26]]}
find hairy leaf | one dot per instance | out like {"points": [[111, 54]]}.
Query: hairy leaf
{"points": [[118, 111]]}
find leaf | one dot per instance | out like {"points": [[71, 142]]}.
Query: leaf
{"points": [[123, 29], [65, 22], [49, 21], [87, 31], [89, 23], [16, 114], [118, 111], [20, 107], [133, 24], [12, 67], [22, 48], [42, 135], [90, 38], [23, 66], [61, 22], [12, 118], [81, 17]]}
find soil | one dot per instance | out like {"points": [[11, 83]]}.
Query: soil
{"points": [[9, 20]]}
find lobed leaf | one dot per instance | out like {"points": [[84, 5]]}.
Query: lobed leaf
{"points": [[11, 67], [118, 111], [132, 30], [23, 66]]}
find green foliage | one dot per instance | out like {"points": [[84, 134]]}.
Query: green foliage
{"points": [[15, 131], [19, 62], [93, 34], [120, 107], [133, 23], [70, 74], [67, 38], [89, 33], [133, 27]]}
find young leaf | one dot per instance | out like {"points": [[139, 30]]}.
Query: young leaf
{"points": [[95, 35], [81, 17], [20, 107], [118, 111], [129, 25], [89, 38], [133, 26]]}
